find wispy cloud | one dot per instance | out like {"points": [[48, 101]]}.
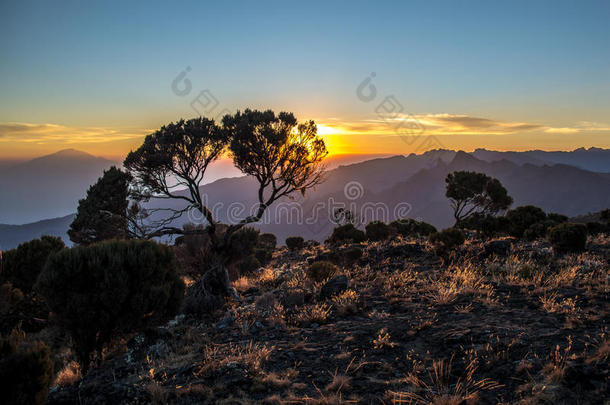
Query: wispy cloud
{"points": [[454, 124], [52, 133]]}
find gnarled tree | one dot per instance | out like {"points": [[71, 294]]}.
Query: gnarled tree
{"points": [[282, 155], [471, 192]]}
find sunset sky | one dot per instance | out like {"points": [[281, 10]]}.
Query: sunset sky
{"points": [[378, 77]]}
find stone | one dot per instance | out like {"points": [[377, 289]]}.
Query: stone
{"points": [[335, 285]]}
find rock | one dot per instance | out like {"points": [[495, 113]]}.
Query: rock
{"points": [[334, 286]]}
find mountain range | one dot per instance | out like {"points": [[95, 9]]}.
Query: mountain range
{"points": [[572, 183]]}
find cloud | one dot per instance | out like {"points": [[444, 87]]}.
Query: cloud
{"points": [[53, 133], [453, 124]]}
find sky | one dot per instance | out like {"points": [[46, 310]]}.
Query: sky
{"points": [[378, 77]]}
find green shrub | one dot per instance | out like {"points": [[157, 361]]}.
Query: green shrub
{"points": [[447, 239], [242, 243], [558, 218], [26, 371], [604, 216], [264, 248], [109, 288], [595, 228], [267, 241], [409, 227], [521, 218], [568, 237], [320, 271], [539, 229], [248, 265], [377, 231], [346, 234], [263, 255], [9, 297], [295, 242], [21, 266]]}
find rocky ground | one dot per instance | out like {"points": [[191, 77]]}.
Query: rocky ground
{"points": [[498, 322]]}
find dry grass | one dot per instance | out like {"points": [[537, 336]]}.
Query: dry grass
{"points": [[383, 340], [68, 375], [441, 388], [251, 355], [318, 313], [346, 303]]}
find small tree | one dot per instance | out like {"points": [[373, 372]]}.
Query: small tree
{"points": [[471, 192], [283, 156], [103, 213], [109, 288], [22, 265]]}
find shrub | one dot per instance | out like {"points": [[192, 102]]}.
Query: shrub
{"points": [[605, 216], [109, 288], [568, 237], [295, 242], [26, 371], [248, 265], [377, 230], [595, 228], [558, 218], [9, 297], [267, 241], [351, 254], [346, 234], [320, 271], [521, 218], [538, 230], [411, 227], [242, 243], [447, 239], [21, 266]]}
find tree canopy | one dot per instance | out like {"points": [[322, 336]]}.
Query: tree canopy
{"points": [[471, 192], [103, 213]]}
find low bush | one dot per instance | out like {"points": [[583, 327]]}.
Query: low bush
{"points": [[595, 228], [320, 271], [267, 241], [351, 254], [409, 227], [22, 265], [26, 370], [106, 289], [295, 242], [568, 237], [446, 240], [346, 234], [242, 243], [521, 218], [377, 231], [248, 265]]}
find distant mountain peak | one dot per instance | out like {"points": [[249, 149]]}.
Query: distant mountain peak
{"points": [[70, 152]]}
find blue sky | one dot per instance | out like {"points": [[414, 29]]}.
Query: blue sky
{"points": [[84, 65]]}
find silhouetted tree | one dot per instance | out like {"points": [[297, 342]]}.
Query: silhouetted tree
{"points": [[103, 213], [282, 155], [471, 192]]}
